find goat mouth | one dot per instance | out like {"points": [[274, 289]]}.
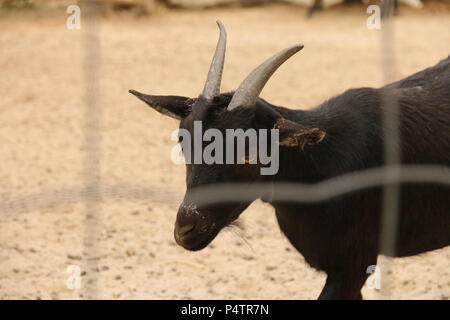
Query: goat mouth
{"points": [[193, 241]]}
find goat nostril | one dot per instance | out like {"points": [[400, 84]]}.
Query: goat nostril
{"points": [[186, 229]]}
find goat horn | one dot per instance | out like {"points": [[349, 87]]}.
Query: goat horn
{"points": [[212, 85], [251, 87]]}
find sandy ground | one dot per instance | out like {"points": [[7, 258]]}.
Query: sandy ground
{"points": [[135, 256]]}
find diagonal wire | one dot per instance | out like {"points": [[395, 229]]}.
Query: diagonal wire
{"points": [[210, 194]]}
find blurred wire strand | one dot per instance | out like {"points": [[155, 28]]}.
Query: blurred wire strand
{"points": [[92, 145]]}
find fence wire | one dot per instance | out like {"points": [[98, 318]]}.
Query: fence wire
{"points": [[391, 130], [290, 192], [92, 145]]}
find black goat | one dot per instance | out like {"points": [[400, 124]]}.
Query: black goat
{"points": [[342, 135]]}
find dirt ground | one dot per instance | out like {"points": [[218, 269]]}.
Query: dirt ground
{"points": [[42, 149]]}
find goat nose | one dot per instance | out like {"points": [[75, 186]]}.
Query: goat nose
{"points": [[184, 230]]}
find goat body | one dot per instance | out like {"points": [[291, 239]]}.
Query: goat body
{"points": [[341, 236], [343, 135]]}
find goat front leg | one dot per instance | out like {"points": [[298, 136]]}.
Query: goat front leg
{"points": [[343, 287]]}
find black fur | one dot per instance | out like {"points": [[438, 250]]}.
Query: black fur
{"points": [[341, 236]]}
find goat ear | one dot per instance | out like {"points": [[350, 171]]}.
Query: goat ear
{"points": [[173, 106], [292, 134]]}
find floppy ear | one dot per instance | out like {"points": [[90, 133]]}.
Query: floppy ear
{"points": [[173, 106], [292, 134]]}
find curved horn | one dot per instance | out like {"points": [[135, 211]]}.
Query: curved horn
{"points": [[251, 87], [212, 85]]}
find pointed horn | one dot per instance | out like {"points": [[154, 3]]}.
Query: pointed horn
{"points": [[212, 85], [251, 87]]}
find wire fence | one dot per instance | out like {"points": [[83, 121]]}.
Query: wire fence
{"points": [[391, 130], [93, 191], [93, 145]]}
